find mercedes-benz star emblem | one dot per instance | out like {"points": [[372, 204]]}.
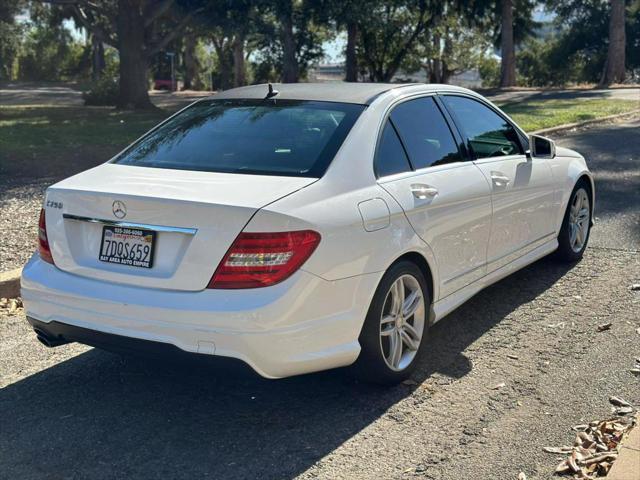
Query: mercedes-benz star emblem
{"points": [[119, 209]]}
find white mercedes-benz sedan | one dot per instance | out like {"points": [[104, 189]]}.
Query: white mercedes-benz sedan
{"points": [[303, 227]]}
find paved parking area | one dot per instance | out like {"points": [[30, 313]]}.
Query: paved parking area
{"points": [[75, 412]]}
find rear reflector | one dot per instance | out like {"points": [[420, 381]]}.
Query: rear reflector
{"points": [[263, 259], [43, 241]]}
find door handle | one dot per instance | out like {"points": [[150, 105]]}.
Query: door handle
{"points": [[422, 191], [500, 179]]}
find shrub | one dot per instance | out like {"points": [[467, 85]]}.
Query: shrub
{"points": [[489, 69], [103, 92]]}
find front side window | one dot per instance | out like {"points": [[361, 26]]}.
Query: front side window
{"points": [[488, 134], [390, 157], [425, 133], [268, 137]]}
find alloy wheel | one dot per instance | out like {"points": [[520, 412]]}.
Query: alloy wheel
{"points": [[579, 217], [402, 322]]}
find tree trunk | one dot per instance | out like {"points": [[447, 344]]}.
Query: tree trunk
{"points": [[435, 71], [224, 63], [447, 53], [435, 75], [97, 57], [352, 60], [239, 67], [508, 67], [289, 62], [191, 65], [614, 68], [134, 85]]}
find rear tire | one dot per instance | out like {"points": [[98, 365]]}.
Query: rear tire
{"points": [[393, 335], [576, 225]]}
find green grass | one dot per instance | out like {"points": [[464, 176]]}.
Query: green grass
{"points": [[36, 129], [43, 137], [539, 114]]}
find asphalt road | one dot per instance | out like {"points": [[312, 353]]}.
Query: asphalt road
{"points": [[613, 154], [60, 94], [514, 96], [25, 93], [75, 412]]}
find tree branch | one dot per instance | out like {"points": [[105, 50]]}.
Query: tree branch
{"points": [[155, 11], [163, 42], [77, 3], [93, 28]]}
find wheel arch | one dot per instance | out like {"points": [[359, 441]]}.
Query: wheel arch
{"points": [[421, 262], [588, 179]]}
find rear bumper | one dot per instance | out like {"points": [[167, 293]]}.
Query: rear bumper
{"points": [[302, 325]]}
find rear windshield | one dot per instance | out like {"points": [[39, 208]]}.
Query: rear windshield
{"points": [[268, 137]]}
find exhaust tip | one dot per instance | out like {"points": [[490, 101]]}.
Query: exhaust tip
{"points": [[47, 340]]}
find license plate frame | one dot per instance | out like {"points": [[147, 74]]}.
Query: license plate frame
{"points": [[126, 246]]}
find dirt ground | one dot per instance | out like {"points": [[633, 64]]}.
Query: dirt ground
{"points": [[76, 412]]}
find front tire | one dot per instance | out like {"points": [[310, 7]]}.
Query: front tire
{"points": [[394, 331], [576, 225]]}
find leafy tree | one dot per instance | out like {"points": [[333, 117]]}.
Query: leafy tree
{"points": [[290, 36], [451, 46], [584, 39], [10, 35], [348, 15], [614, 70], [48, 51], [513, 23], [192, 60], [230, 26], [390, 35], [138, 29]]}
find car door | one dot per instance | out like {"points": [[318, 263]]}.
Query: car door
{"points": [[446, 198], [522, 187]]}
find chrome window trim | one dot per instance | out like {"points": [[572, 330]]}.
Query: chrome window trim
{"points": [[144, 226]]}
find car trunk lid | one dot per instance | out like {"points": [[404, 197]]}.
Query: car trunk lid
{"points": [[196, 217]]}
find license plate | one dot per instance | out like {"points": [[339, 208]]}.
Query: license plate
{"points": [[127, 246]]}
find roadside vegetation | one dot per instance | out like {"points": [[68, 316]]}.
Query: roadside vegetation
{"points": [[538, 114], [119, 48], [46, 138]]}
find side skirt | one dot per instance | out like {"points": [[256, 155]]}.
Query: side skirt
{"points": [[448, 304]]}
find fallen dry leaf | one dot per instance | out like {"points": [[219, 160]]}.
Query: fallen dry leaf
{"points": [[618, 402], [596, 444], [557, 449]]}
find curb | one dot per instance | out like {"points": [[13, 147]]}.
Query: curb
{"points": [[569, 126], [627, 465], [10, 283]]}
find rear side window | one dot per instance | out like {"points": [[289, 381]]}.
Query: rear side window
{"points": [[268, 137], [425, 133], [390, 157], [488, 134]]}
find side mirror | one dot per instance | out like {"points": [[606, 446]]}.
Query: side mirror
{"points": [[542, 147]]}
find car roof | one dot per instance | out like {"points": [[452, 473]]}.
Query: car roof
{"points": [[360, 93]]}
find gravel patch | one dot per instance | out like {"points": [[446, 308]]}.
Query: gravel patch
{"points": [[19, 209], [505, 375]]}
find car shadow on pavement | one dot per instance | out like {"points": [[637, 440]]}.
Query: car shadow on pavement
{"points": [[98, 415]]}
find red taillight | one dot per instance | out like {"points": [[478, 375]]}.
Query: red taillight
{"points": [[262, 259], [43, 241]]}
